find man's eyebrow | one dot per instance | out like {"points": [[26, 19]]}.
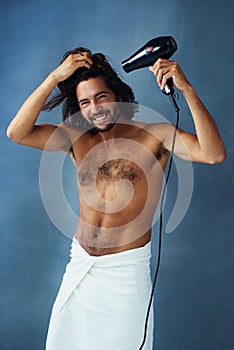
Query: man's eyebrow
{"points": [[102, 92], [96, 95]]}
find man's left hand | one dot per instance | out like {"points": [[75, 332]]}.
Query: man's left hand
{"points": [[165, 69]]}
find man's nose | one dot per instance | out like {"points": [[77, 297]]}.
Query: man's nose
{"points": [[95, 107]]}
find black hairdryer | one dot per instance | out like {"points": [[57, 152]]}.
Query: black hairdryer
{"points": [[161, 47]]}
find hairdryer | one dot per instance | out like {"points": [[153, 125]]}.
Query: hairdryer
{"points": [[161, 47]]}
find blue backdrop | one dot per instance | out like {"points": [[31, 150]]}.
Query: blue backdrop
{"points": [[194, 300]]}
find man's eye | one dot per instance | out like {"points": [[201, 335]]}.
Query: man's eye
{"points": [[83, 104], [102, 97]]}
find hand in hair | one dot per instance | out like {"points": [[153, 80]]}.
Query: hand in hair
{"points": [[71, 64]]}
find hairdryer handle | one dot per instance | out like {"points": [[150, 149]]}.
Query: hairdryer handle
{"points": [[169, 90]]}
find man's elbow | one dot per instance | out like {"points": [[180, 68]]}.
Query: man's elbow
{"points": [[12, 135], [218, 158]]}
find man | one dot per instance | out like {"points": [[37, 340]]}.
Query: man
{"points": [[120, 163]]}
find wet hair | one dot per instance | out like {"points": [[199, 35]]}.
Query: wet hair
{"points": [[100, 68]]}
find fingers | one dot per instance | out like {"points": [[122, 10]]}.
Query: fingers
{"points": [[164, 79], [71, 64], [83, 59], [163, 70], [78, 60]]}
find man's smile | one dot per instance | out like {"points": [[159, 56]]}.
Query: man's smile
{"points": [[100, 118]]}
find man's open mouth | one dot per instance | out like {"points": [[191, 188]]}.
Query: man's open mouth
{"points": [[100, 118]]}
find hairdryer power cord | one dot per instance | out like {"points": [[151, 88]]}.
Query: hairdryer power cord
{"points": [[173, 98]]}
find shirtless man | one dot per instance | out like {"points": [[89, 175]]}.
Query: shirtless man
{"points": [[120, 165]]}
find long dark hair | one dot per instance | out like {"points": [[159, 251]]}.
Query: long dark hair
{"points": [[99, 68]]}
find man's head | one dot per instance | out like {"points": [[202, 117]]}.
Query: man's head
{"points": [[105, 78], [98, 104]]}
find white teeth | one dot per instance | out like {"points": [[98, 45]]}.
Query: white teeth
{"points": [[100, 118]]}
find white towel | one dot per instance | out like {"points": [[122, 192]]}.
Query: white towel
{"points": [[102, 302]]}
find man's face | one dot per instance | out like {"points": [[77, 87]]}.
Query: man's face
{"points": [[97, 103]]}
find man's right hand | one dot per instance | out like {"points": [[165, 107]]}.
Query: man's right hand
{"points": [[70, 65], [22, 128]]}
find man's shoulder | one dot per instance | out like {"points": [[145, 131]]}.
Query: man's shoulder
{"points": [[158, 126], [159, 130]]}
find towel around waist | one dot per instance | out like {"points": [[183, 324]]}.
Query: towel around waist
{"points": [[135, 256], [120, 274]]}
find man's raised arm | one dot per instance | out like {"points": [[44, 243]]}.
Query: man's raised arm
{"points": [[22, 128], [206, 146]]}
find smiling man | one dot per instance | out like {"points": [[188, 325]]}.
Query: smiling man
{"points": [[92, 97], [103, 298]]}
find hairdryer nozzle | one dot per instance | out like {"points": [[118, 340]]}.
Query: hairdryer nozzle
{"points": [[147, 55]]}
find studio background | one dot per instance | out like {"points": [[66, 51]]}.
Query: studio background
{"points": [[194, 299]]}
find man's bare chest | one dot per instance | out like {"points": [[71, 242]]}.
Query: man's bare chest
{"points": [[112, 161], [117, 159]]}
